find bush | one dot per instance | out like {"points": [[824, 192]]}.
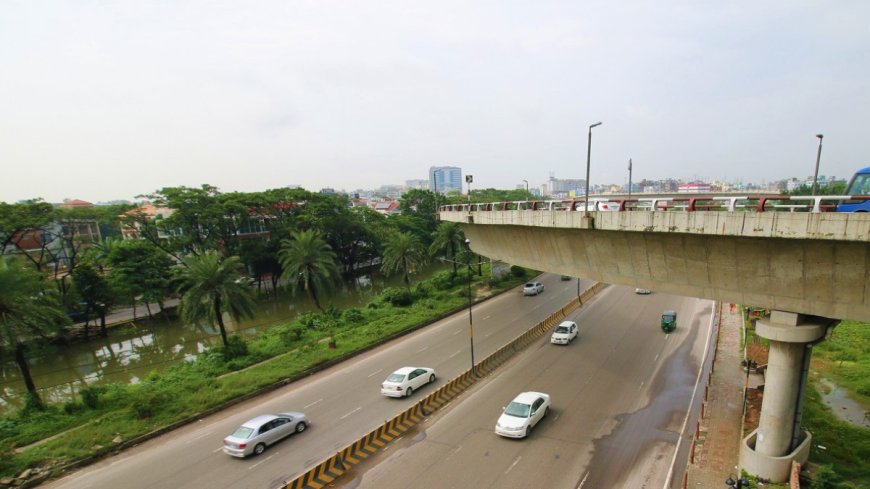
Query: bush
{"points": [[146, 398], [825, 478], [90, 395], [397, 297], [423, 290], [442, 280], [518, 271], [353, 315], [236, 347]]}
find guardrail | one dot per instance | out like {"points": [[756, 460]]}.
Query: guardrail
{"points": [[325, 472], [745, 203]]}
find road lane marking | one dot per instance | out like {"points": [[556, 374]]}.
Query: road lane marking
{"points": [[198, 437], [313, 403], [454, 452], [584, 480], [512, 465], [656, 358], [487, 335], [457, 353], [456, 332], [348, 414], [263, 461], [487, 317], [423, 349], [218, 450], [376, 372], [641, 385], [556, 417]]}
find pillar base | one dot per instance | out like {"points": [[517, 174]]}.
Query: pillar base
{"points": [[775, 469]]}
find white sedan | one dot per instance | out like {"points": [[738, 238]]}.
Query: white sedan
{"points": [[406, 380], [522, 414], [564, 333]]}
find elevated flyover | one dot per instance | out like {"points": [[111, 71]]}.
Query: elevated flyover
{"points": [[815, 263], [809, 267]]}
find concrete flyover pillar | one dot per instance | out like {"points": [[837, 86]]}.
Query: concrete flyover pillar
{"points": [[769, 450]]}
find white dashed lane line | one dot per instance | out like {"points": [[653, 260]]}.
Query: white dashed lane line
{"points": [[348, 414]]}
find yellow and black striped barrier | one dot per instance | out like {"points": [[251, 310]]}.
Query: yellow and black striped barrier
{"points": [[330, 469]]}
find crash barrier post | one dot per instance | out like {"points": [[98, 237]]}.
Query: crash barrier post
{"points": [[327, 471]]}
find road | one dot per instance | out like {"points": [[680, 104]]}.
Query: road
{"points": [[343, 403], [620, 394]]}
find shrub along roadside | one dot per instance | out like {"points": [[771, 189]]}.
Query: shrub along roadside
{"points": [[110, 417]]}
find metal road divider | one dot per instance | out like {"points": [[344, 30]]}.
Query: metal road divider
{"points": [[333, 467]]}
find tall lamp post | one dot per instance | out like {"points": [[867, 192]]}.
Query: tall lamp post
{"points": [[470, 321], [818, 157], [470, 302], [588, 162], [629, 178], [468, 180], [527, 188]]}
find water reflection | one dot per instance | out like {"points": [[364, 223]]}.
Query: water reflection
{"points": [[130, 353]]}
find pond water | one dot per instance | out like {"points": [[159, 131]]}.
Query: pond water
{"points": [[131, 352], [843, 406]]}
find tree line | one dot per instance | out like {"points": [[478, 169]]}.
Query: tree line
{"points": [[214, 250]]}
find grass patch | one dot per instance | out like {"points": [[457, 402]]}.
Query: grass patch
{"points": [[118, 413], [843, 359]]}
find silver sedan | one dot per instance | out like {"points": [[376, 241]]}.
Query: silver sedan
{"points": [[253, 436]]}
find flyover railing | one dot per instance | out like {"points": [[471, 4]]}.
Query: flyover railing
{"points": [[745, 203]]}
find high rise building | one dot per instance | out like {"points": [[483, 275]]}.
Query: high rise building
{"points": [[444, 179]]}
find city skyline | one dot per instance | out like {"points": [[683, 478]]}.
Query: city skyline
{"points": [[117, 100]]}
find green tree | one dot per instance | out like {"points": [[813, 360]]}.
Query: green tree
{"points": [[309, 264], [833, 188], [403, 253], [211, 287], [139, 270], [448, 239], [28, 309], [423, 205], [95, 291]]}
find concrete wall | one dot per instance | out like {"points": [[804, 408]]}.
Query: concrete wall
{"points": [[816, 264]]}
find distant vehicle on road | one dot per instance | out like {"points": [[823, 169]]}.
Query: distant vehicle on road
{"points": [[669, 321], [642, 291], [564, 333], [253, 436], [859, 185], [522, 414], [403, 382], [533, 288], [565, 277]]}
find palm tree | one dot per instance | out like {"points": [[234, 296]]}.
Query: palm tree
{"points": [[309, 263], [212, 287], [403, 253], [27, 308], [448, 237]]}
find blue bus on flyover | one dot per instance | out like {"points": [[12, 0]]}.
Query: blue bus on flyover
{"points": [[860, 185]]}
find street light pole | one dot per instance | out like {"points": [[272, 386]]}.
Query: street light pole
{"points": [[470, 321], [470, 302], [588, 163], [468, 180], [527, 189], [818, 157], [629, 178]]}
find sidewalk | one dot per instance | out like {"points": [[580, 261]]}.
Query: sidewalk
{"points": [[125, 314], [715, 453]]}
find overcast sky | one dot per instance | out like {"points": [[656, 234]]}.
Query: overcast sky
{"points": [[103, 100]]}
